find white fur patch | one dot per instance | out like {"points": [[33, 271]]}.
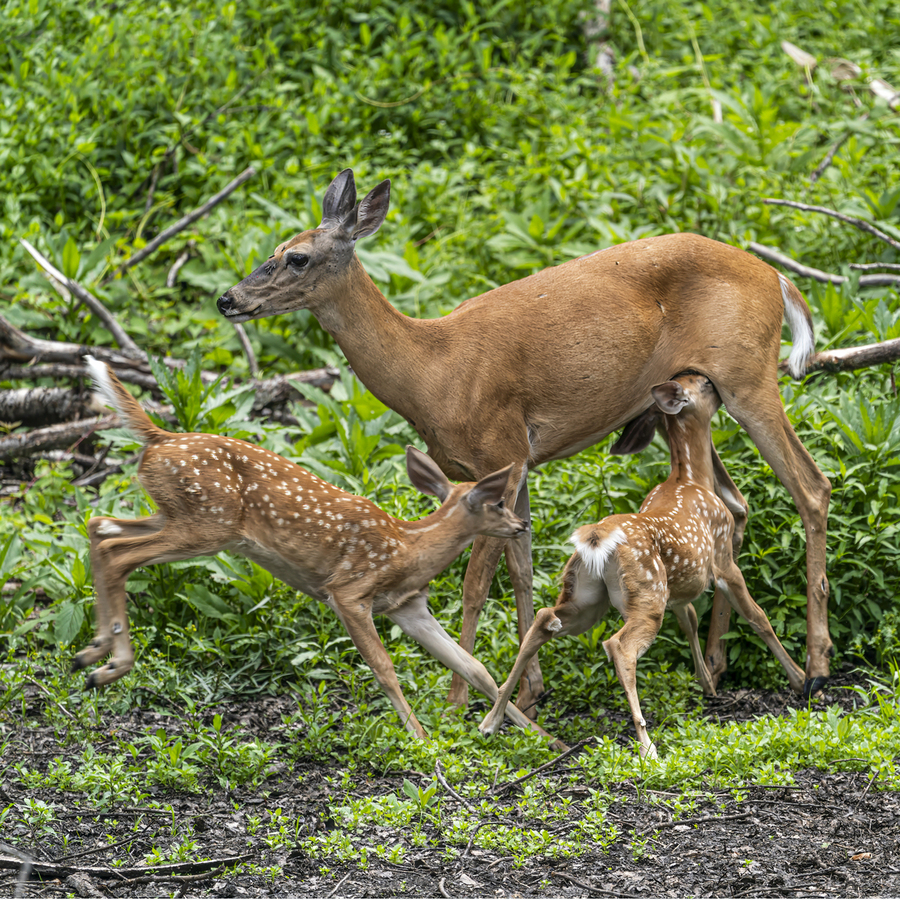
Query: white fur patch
{"points": [[108, 528], [595, 558], [801, 332], [100, 375]]}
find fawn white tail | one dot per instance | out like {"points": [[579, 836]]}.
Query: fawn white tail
{"points": [[660, 558], [216, 493]]}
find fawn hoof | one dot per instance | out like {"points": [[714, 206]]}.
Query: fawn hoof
{"points": [[813, 686], [91, 683], [77, 665]]}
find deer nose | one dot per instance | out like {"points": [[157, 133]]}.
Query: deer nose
{"points": [[225, 303]]}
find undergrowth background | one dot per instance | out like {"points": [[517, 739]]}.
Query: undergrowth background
{"points": [[507, 152]]}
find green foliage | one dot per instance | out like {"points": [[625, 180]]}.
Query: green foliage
{"points": [[507, 153]]}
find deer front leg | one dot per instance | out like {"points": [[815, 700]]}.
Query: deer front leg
{"points": [[720, 617], [521, 573], [687, 618], [416, 620], [482, 565], [355, 613]]}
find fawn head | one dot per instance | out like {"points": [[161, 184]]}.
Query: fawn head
{"points": [[691, 391], [311, 266], [480, 504]]}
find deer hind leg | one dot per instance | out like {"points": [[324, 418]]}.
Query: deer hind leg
{"points": [[110, 627], [625, 648], [764, 419], [732, 583], [355, 612], [416, 620], [483, 561], [521, 573], [114, 557], [720, 619], [582, 602], [687, 618]]}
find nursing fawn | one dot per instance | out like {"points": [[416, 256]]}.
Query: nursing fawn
{"points": [[660, 558], [217, 493]]}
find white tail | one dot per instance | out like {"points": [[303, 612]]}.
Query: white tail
{"points": [[662, 557], [543, 367], [217, 493]]}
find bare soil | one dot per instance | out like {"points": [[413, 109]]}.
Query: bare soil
{"points": [[830, 835]]}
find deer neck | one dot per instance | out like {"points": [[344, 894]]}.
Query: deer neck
{"points": [[690, 444], [384, 347], [434, 542]]}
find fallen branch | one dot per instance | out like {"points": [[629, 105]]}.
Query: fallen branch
{"points": [[44, 405], [57, 870], [64, 360], [54, 437], [90, 301], [176, 266], [769, 253], [553, 762], [861, 224], [849, 358], [700, 820], [182, 223]]}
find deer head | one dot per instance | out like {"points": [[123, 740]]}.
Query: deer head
{"points": [[313, 265]]}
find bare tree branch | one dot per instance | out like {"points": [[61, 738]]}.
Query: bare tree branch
{"points": [[176, 266], [248, 349], [119, 334], [861, 224], [183, 223], [769, 253]]}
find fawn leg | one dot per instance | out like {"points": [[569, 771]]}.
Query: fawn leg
{"points": [[687, 618]]}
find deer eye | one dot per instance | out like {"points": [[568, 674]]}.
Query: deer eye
{"points": [[298, 260], [501, 504]]}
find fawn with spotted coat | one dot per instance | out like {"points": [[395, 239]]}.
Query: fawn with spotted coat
{"points": [[217, 493], [660, 558]]}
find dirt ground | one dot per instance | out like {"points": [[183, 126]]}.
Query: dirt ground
{"points": [[830, 835]]}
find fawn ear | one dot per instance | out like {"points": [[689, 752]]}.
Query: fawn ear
{"points": [[490, 489], [637, 433], [425, 474], [670, 397]]}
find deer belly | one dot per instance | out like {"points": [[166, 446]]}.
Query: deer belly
{"points": [[292, 572]]}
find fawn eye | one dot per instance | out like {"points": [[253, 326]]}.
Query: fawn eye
{"points": [[298, 260]]}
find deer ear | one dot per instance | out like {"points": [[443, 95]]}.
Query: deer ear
{"points": [[339, 200], [490, 489], [637, 433], [425, 474], [670, 397], [372, 211]]}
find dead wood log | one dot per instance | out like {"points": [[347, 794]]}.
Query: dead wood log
{"points": [[54, 437], [847, 359], [45, 405]]}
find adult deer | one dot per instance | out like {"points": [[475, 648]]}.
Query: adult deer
{"points": [[660, 558], [217, 493], [541, 368]]}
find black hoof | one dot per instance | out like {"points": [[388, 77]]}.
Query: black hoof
{"points": [[90, 683], [813, 686], [77, 665]]}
